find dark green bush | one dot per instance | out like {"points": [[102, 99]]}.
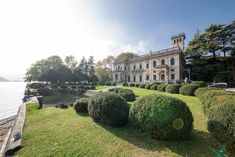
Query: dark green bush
{"points": [[124, 84], [109, 108], [154, 87], [173, 88], [36, 85], [128, 94], [142, 86], [199, 83], [221, 123], [108, 83], [147, 86], [81, 105], [137, 85], [80, 86], [73, 87], [92, 87], [44, 91], [162, 117], [87, 87], [202, 90], [188, 89], [113, 84], [131, 85], [162, 87]]}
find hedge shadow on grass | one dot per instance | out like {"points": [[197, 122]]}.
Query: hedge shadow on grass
{"points": [[196, 143]]}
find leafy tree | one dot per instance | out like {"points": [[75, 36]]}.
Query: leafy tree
{"points": [[91, 70], [71, 62], [125, 55], [103, 69], [210, 41]]}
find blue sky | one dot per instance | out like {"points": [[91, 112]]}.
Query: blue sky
{"points": [[33, 30], [157, 20]]}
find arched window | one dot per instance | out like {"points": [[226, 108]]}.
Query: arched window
{"points": [[180, 39], [154, 64], [162, 62], [172, 61]]}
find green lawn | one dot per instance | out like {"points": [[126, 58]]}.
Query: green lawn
{"points": [[62, 132], [102, 87]]}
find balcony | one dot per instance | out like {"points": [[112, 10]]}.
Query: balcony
{"points": [[161, 66]]}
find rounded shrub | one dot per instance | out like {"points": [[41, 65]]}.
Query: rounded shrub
{"points": [[108, 83], [124, 84], [173, 88], [188, 89], [113, 84], [147, 86], [81, 105], [162, 87], [108, 108], [221, 123], [142, 86], [154, 87], [128, 94], [132, 85], [137, 85], [45, 91], [162, 117], [80, 86], [199, 83], [202, 90]]}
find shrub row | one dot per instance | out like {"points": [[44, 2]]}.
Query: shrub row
{"points": [[219, 106]]}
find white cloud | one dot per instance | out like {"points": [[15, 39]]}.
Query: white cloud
{"points": [[32, 30]]}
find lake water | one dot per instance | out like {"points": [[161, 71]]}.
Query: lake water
{"points": [[11, 94]]}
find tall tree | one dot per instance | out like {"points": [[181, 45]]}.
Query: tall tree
{"points": [[210, 41], [91, 70], [71, 62]]}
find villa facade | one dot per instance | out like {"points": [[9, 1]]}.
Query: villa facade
{"points": [[160, 66]]}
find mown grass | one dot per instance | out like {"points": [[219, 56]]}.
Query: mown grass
{"points": [[99, 87], [61, 132]]}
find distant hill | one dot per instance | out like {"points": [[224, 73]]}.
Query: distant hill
{"points": [[2, 79]]}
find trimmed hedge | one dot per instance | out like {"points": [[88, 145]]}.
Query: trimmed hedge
{"points": [[81, 105], [221, 123], [207, 98], [131, 85], [162, 87], [188, 89], [128, 94], [199, 83], [202, 90], [109, 108], [113, 84], [147, 86], [142, 86], [162, 117], [183, 84], [173, 88], [137, 85], [108, 83], [124, 84], [154, 87]]}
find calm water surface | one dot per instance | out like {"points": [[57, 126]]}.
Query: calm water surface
{"points": [[11, 94]]}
